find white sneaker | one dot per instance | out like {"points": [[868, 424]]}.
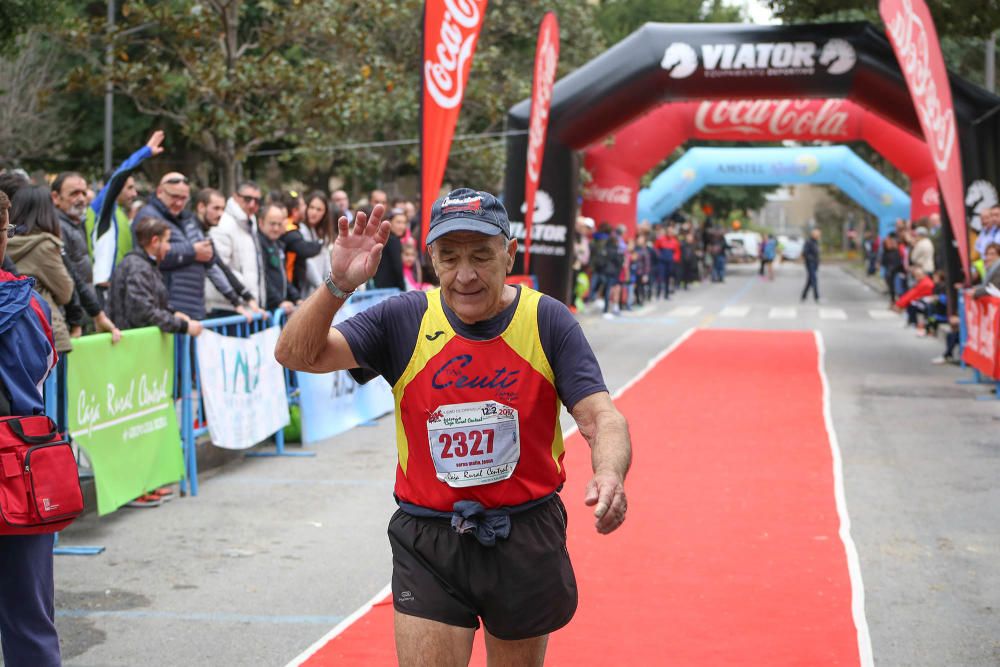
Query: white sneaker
{"points": [[609, 316], [938, 361]]}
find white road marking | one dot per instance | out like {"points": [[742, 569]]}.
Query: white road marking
{"points": [[832, 314], [853, 562], [782, 313], [684, 311], [883, 315], [734, 311]]}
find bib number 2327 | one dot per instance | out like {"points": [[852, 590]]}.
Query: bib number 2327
{"points": [[474, 443]]}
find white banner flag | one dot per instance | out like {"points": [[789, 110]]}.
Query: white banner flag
{"points": [[243, 388]]}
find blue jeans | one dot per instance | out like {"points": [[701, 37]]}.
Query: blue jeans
{"points": [[27, 602], [811, 281], [664, 271], [719, 268]]}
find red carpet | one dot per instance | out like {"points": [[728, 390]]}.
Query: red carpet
{"points": [[731, 553]]}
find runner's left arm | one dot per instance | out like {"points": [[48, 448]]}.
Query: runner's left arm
{"points": [[606, 430]]}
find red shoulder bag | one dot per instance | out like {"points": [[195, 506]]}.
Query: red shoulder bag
{"points": [[39, 484]]}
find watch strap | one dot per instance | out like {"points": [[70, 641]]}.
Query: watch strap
{"points": [[336, 291]]}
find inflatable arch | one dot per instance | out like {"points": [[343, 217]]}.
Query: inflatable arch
{"points": [[616, 163], [663, 62], [701, 167]]}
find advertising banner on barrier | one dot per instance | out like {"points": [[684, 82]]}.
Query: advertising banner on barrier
{"points": [[243, 388], [982, 317], [333, 403], [451, 28], [121, 413]]}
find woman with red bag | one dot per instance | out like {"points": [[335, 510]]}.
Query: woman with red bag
{"points": [[27, 356]]}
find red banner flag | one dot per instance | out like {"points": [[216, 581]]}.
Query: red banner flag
{"points": [[451, 28], [546, 60], [915, 41]]}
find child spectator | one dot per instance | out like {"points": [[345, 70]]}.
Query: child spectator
{"points": [[138, 293], [411, 268]]}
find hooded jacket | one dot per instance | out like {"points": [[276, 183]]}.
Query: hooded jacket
{"points": [[40, 256], [27, 348], [236, 243]]}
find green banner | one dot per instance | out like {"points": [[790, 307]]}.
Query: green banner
{"points": [[121, 412]]}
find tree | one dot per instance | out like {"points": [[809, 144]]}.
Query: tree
{"points": [[620, 18], [232, 75], [251, 81], [29, 117], [962, 25]]}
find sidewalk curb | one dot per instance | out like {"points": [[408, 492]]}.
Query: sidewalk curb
{"points": [[858, 273]]}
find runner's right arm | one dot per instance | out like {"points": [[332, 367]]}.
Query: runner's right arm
{"points": [[308, 343]]}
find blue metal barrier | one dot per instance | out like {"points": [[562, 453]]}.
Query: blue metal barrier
{"points": [[193, 422]]}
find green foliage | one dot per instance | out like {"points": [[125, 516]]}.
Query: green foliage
{"points": [[962, 25], [18, 17], [620, 18]]}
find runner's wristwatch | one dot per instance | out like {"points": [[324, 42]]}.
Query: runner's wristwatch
{"points": [[336, 291]]}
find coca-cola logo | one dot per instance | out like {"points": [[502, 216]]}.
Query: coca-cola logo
{"points": [[930, 197], [791, 118], [545, 76], [617, 194], [444, 75], [912, 41]]}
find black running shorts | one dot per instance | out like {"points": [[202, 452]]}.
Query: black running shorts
{"points": [[521, 587]]}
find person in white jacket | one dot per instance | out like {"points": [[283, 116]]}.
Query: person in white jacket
{"points": [[236, 244], [922, 254]]}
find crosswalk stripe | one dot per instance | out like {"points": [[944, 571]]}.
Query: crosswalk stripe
{"points": [[883, 315], [685, 311], [832, 314], [734, 311], [782, 313]]}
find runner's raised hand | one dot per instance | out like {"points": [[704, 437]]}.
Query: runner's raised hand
{"points": [[357, 252]]}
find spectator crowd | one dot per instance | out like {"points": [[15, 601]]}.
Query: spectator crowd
{"points": [[106, 261]]}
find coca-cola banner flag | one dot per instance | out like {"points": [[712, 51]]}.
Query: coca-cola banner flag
{"points": [[546, 60], [915, 41], [451, 29]]}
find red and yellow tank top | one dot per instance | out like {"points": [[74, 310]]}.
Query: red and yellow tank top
{"points": [[478, 420]]}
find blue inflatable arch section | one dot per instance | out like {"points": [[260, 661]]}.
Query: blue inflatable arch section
{"points": [[701, 167]]}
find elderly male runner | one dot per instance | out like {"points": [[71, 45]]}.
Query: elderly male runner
{"points": [[478, 369]]}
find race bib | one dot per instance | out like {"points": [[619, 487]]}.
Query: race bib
{"points": [[474, 443]]}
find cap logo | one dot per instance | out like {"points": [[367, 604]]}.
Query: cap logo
{"points": [[461, 204]]}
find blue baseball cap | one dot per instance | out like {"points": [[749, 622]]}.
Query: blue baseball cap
{"points": [[468, 210]]}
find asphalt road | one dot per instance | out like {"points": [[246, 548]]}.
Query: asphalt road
{"points": [[274, 552]]}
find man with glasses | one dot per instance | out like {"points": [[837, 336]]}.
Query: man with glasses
{"points": [[184, 266], [69, 194], [237, 246]]}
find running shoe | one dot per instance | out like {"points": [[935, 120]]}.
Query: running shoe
{"points": [[163, 493], [148, 500]]}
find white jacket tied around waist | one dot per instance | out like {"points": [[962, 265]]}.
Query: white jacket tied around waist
{"points": [[235, 239]]}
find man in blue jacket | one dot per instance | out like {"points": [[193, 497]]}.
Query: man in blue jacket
{"points": [[27, 356], [192, 257]]}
